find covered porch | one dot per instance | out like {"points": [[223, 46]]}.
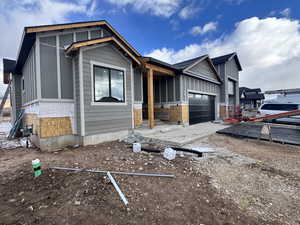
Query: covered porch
{"points": [[161, 95]]}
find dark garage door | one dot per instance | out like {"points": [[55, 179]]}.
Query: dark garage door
{"points": [[201, 108]]}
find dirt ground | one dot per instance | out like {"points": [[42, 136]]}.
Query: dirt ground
{"points": [[261, 177], [59, 197]]}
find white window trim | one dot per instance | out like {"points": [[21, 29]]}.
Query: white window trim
{"points": [[94, 63], [82, 108], [23, 84], [58, 67]]}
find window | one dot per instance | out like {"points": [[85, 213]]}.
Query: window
{"points": [[280, 107], [230, 87], [23, 84], [96, 34], [108, 85]]}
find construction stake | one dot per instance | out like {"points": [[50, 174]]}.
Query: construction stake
{"points": [[122, 196], [114, 172]]}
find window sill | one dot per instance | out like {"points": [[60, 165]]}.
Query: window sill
{"points": [[109, 103]]}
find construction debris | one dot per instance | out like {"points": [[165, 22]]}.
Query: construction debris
{"points": [[122, 196], [136, 147], [108, 173], [114, 172], [280, 134], [169, 154], [14, 130]]}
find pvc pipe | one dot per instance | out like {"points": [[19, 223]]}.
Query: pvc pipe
{"points": [[114, 172], [122, 196]]}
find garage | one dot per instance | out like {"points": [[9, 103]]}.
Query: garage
{"points": [[201, 108]]}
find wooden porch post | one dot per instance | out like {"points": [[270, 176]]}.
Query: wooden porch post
{"points": [[150, 98]]}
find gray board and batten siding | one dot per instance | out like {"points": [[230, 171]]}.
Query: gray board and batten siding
{"points": [[56, 69], [138, 86], [229, 71], [28, 82], [106, 117], [203, 81], [77, 94], [204, 70], [167, 89], [48, 64], [232, 73], [232, 70]]}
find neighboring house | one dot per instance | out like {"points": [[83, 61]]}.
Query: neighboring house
{"points": [[228, 66], [83, 83], [251, 98]]}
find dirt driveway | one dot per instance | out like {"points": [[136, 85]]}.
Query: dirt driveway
{"points": [[76, 198], [262, 178]]}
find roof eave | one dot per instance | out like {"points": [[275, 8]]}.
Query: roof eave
{"points": [[76, 45]]}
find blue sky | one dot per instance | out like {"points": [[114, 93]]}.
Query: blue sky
{"points": [[264, 33]]}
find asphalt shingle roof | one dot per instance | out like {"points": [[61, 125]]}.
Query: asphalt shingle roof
{"points": [[187, 63]]}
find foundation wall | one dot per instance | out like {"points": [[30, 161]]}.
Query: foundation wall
{"points": [[99, 138]]}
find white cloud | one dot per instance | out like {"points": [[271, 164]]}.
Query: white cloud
{"points": [[286, 12], [269, 51], [188, 11], [164, 8], [16, 14], [198, 30]]}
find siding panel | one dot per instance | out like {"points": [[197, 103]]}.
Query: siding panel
{"points": [[29, 75], [106, 118], [48, 64], [204, 69], [137, 85], [66, 71]]}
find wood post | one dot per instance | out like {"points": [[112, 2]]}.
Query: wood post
{"points": [[150, 98]]}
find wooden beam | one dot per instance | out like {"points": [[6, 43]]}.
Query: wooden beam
{"points": [[159, 69], [75, 46], [63, 26], [78, 45], [150, 99], [78, 25]]}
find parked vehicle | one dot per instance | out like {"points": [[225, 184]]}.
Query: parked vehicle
{"points": [[279, 105]]}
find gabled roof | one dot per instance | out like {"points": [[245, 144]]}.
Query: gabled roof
{"points": [[254, 96], [224, 58], [29, 36], [187, 63], [8, 67], [251, 93], [76, 45]]}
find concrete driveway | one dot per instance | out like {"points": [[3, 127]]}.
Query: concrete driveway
{"points": [[180, 134]]}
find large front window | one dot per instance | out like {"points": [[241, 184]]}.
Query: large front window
{"points": [[108, 85]]}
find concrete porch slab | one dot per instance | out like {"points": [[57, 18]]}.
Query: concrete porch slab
{"points": [[181, 134]]}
